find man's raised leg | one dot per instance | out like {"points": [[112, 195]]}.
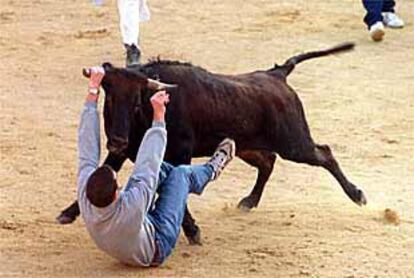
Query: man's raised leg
{"points": [[172, 200], [173, 194]]}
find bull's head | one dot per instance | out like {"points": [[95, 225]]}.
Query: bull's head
{"points": [[123, 97]]}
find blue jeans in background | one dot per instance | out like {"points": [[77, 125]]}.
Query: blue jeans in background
{"points": [[375, 8], [175, 183]]}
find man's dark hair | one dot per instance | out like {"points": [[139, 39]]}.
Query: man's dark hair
{"points": [[101, 187]]}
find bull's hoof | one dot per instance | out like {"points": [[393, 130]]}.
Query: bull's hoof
{"points": [[63, 219], [246, 204], [195, 239], [361, 200], [357, 196]]}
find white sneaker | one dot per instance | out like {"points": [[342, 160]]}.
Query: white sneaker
{"points": [[376, 31], [222, 156], [392, 20]]}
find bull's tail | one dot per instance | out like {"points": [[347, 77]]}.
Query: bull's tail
{"points": [[290, 64]]}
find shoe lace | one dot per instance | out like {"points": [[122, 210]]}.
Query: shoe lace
{"points": [[219, 158]]}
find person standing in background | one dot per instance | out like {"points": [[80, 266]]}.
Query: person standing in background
{"points": [[131, 14], [380, 13]]}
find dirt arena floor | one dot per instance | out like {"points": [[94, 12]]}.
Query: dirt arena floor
{"points": [[361, 103]]}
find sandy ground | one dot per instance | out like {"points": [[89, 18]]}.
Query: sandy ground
{"points": [[360, 103]]}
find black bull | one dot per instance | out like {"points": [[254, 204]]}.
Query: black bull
{"points": [[259, 110]]}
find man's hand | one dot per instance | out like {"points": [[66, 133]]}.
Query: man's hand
{"points": [[158, 101], [96, 76]]}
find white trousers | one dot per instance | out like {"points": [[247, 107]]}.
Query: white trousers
{"points": [[131, 13]]}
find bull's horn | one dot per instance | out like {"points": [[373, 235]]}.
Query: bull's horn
{"points": [[86, 72], [157, 85]]}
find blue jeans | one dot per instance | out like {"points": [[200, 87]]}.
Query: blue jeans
{"points": [[175, 183], [375, 8]]}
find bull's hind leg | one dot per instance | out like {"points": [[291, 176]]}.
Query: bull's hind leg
{"points": [[325, 158], [264, 162], [321, 155]]}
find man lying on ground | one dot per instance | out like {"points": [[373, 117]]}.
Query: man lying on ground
{"points": [[126, 225]]}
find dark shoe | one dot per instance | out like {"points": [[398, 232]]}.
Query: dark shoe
{"points": [[132, 55], [222, 156]]}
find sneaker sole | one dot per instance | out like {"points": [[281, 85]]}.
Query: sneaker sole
{"points": [[233, 147], [230, 156], [378, 35], [232, 153], [394, 27]]}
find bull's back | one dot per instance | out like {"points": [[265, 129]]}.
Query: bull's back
{"points": [[247, 107], [220, 103]]}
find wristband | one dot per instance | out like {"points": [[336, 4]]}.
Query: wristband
{"points": [[93, 91]]}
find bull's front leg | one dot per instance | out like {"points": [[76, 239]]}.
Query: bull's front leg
{"points": [[69, 214], [191, 230]]}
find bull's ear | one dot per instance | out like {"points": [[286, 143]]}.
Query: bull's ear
{"points": [[147, 82], [135, 76], [107, 66]]}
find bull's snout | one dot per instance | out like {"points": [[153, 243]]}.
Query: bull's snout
{"points": [[117, 145]]}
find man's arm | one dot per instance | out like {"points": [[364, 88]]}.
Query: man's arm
{"points": [[151, 152], [89, 131]]}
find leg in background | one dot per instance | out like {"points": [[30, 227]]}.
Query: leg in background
{"points": [[374, 9], [129, 21], [388, 6], [390, 17]]}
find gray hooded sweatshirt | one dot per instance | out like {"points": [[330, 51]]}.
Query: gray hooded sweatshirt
{"points": [[121, 229]]}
